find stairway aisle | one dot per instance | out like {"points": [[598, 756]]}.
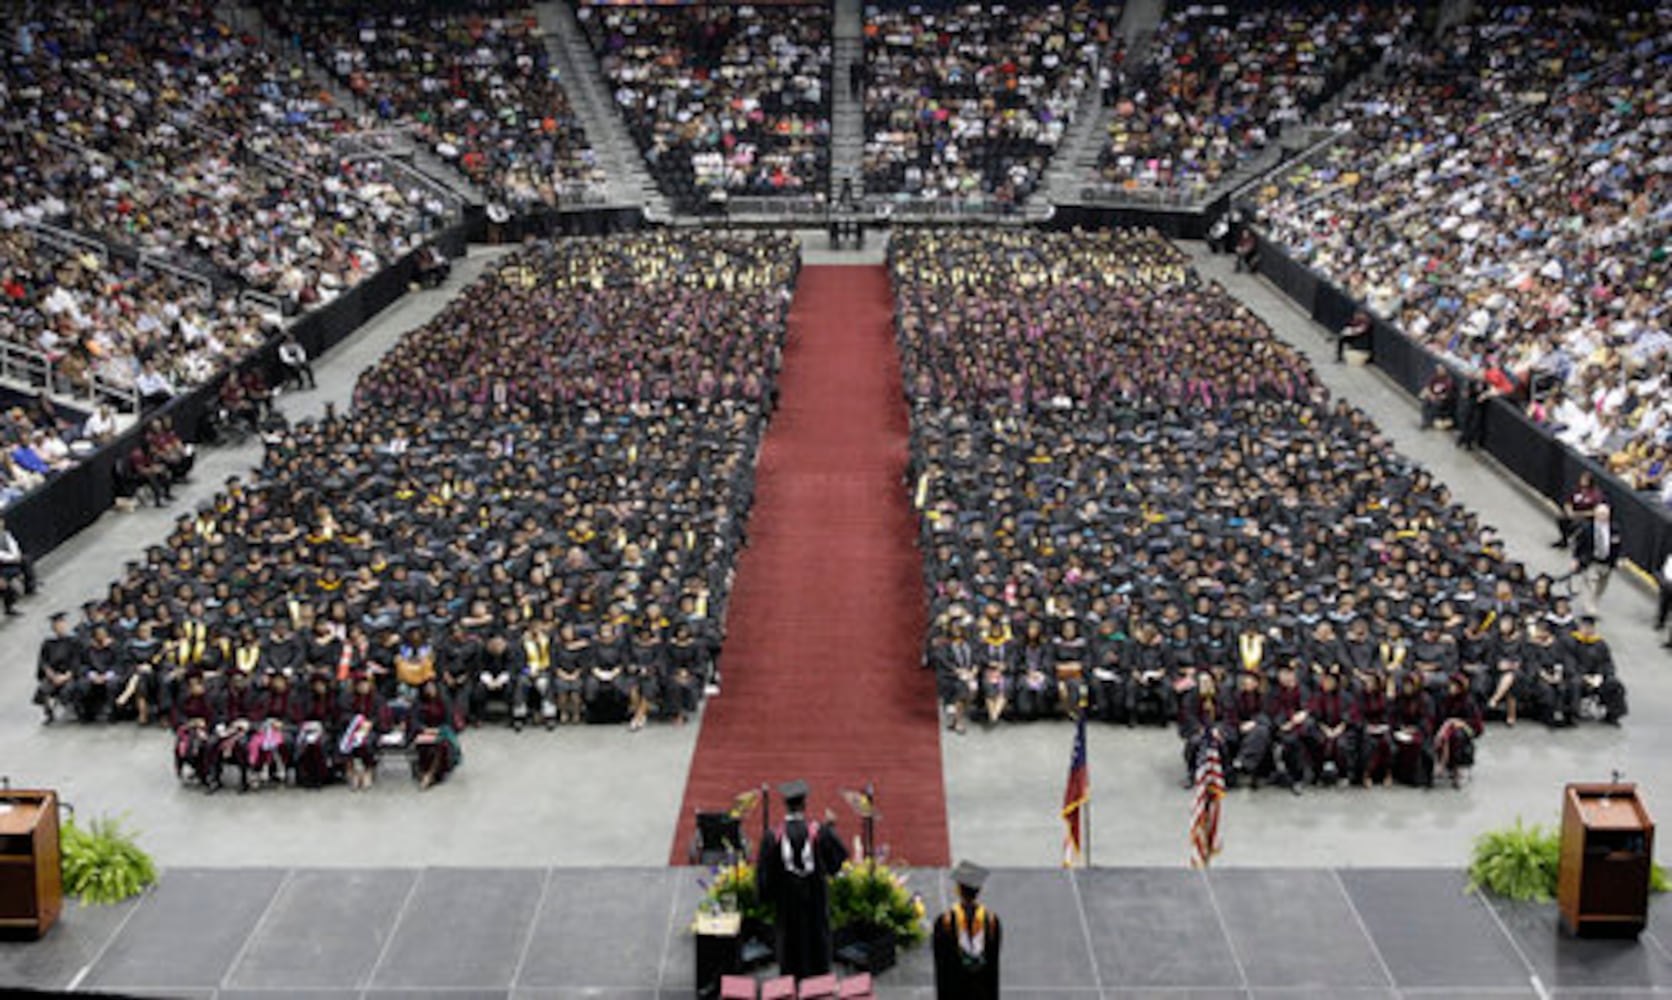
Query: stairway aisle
{"points": [[847, 114], [629, 183], [822, 676]]}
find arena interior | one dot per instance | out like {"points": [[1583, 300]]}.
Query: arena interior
{"points": [[449, 446]]}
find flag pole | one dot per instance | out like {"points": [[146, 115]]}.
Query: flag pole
{"points": [[1086, 808]]}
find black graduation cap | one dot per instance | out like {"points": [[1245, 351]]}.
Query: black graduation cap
{"points": [[969, 875], [793, 791], [59, 616]]}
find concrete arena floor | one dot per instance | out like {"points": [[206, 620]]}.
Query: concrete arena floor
{"points": [[599, 796]]}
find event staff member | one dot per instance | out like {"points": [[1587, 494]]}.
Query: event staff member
{"points": [[294, 357], [1577, 509], [967, 941], [1439, 397], [796, 861], [16, 569], [1665, 599], [1596, 550]]}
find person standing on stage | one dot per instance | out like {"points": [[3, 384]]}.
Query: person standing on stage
{"points": [[967, 939], [794, 867]]}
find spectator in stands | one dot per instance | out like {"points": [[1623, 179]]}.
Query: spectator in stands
{"points": [[154, 387], [970, 102], [1491, 201], [723, 100], [475, 79]]}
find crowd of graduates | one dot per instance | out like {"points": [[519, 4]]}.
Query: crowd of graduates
{"points": [[724, 100], [970, 101], [1501, 200], [532, 513], [474, 78], [1135, 501]]}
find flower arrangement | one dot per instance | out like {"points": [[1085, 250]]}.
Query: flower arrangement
{"points": [[731, 888], [867, 893]]}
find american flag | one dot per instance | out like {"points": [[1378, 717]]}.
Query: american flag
{"points": [[1076, 795], [1204, 814]]}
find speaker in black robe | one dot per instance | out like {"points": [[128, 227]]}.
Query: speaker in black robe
{"points": [[967, 940], [795, 864]]}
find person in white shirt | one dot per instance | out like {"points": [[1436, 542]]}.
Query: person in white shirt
{"points": [[1596, 550], [15, 567], [1665, 582], [294, 357], [154, 387]]}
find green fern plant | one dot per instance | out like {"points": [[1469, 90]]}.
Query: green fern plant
{"points": [[102, 864], [1517, 863], [1522, 863]]}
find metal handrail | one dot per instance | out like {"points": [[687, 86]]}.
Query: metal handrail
{"points": [[150, 263], [68, 242], [376, 141], [34, 367], [263, 300], [448, 196]]}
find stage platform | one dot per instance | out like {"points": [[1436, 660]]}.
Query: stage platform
{"points": [[564, 933]]}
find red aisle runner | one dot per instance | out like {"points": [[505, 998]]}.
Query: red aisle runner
{"points": [[827, 618]]}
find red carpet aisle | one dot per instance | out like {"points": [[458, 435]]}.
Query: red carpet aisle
{"points": [[826, 621]]}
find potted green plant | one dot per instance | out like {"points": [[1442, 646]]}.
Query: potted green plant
{"points": [[1522, 863], [101, 863]]}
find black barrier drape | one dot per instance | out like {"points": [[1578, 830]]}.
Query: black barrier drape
{"points": [[1529, 451], [75, 498], [1178, 224]]}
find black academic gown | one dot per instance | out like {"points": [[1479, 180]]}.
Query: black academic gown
{"points": [[801, 901], [957, 977]]}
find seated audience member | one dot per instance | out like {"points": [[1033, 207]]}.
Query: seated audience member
{"points": [[969, 102]]}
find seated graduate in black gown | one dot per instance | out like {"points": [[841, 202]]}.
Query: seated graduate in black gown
{"points": [[796, 861], [967, 941]]}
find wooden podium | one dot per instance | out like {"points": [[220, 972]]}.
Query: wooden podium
{"points": [[719, 939], [1608, 841], [31, 884]]}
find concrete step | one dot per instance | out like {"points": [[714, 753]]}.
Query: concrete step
{"points": [[619, 155]]}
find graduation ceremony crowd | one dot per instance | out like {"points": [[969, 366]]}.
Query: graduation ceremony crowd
{"points": [[1220, 84], [98, 318], [969, 101], [530, 515], [723, 100], [1501, 199], [1135, 498], [162, 129], [474, 78]]}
